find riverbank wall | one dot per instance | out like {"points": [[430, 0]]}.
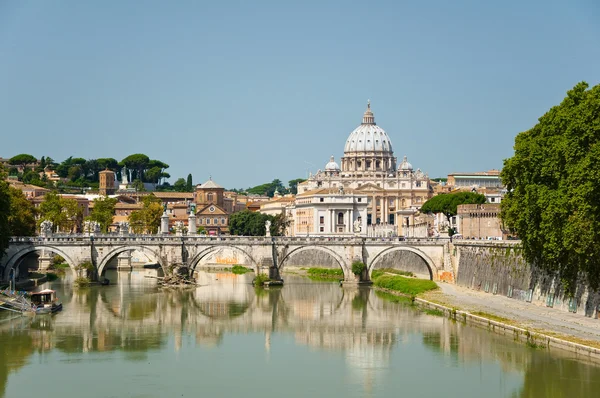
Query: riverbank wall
{"points": [[498, 268]]}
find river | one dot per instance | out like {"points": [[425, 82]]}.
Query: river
{"points": [[224, 338]]}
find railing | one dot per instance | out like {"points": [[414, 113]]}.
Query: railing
{"points": [[107, 238]]}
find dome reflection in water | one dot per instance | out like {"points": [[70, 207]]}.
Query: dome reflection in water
{"points": [[226, 338]]}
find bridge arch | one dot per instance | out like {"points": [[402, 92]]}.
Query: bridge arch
{"points": [[120, 249], [195, 260], [16, 257], [339, 259], [433, 271]]}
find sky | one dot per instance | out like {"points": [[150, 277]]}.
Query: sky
{"points": [[249, 91]]}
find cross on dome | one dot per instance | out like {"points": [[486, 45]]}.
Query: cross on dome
{"points": [[368, 117]]}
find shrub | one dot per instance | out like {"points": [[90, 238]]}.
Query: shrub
{"points": [[81, 281], [358, 267], [260, 280]]}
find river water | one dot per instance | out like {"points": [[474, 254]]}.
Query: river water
{"points": [[226, 339]]}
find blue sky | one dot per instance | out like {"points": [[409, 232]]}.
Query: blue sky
{"points": [[249, 91]]}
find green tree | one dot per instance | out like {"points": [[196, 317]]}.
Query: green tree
{"points": [[248, 223], [147, 220], [179, 185], [108, 163], [446, 203], [138, 162], [189, 186], [268, 189], [103, 212], [153, 175], [21, 218], [64, 213], [4, 211], [22, 160], [553, 183], [293, 184]]}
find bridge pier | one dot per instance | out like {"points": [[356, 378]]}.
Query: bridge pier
{"points": [[44, 261], [124, 261]]}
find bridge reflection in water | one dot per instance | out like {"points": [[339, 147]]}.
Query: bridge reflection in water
{"points": [[386, 346]]}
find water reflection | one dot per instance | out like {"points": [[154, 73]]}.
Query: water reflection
{"points": [[382, 344]]}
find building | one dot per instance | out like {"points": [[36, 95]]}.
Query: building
{"points": [[211, 213], [480, 221], [368, 167], [30, 191], [487, 179], [107, 182], [326, 211]]}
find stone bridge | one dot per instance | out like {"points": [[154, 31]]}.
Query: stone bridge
{"points": [[263, 254]]}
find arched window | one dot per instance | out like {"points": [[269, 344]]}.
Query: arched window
{"points": [[340, 218], [223, 220], [209, 197], [207, 221], [216, 221]]}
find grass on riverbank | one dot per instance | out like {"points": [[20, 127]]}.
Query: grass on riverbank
{"points": [[325, 274], [383, 271], [400, 284]]}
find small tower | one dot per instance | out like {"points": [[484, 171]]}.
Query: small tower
{"points": [[107, 182]]}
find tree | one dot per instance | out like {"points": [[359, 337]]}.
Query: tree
{"points": [[293, 184], [138, 162], [148, 218], [4, 211], [189, 186], [553, 183], [22, 160], [64, 213], [21, 218], [179, 185], [103, 211], [108, 163], [446, 203], [248, 223], [268, 189]]}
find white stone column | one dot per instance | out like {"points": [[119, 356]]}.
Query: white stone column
{"points": [[192, 228], [164, 224]]}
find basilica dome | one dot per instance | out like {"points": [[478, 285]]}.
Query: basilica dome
{"points": [[368, 137]]}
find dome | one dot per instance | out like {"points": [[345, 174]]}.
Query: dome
{"points": [[332, 165], [405, 165], [368, 137]]}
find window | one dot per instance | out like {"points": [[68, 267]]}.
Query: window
{"points": [[391, 202], [321, 229], [391, 219], [223, 220], [418, 184], [216, 220], [207, 221], [340, 219], [321, 200], [209, 197], [359, 200], [369, 219], [321, 220]]}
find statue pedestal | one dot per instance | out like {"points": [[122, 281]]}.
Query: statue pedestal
{"points": [[164, 224], [192, 225]]}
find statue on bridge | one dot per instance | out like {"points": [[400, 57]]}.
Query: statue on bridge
{"points": [[91, 227], [179, 227], [123, 228], [268, 228], [357, 227], [46, 228]]}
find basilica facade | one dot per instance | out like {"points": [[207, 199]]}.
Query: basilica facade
{"points": [[394, 191]]}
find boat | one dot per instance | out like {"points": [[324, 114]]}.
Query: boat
{"points": [[45, 302]]}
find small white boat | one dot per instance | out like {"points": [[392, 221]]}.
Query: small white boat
{"points": [[45, 302]]}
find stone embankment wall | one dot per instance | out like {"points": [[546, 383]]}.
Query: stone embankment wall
{"points": [[499, 268]]}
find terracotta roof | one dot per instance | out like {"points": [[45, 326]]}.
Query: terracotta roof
{"points": [[210, 184]]}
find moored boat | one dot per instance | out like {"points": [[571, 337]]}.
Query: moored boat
{"points": [[45, 302]]}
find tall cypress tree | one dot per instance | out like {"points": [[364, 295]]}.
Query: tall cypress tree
{"points": [[189, 186]]}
